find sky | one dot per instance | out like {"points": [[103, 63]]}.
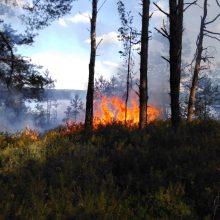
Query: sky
{"points": [[63, 47]]}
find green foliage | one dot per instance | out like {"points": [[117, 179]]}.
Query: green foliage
{"points": [[116, 173], [207, 96]]}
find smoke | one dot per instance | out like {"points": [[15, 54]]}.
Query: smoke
{"points": [[18, 3], [19, 110]]}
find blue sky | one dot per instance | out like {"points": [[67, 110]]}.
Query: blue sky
{"points": [[63, 47]]}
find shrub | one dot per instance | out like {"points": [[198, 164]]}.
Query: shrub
{"points": [[117, 172]]}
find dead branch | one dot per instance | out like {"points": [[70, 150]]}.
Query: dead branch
{"points": [[103, 3], [189, 4], [162, 33], [213, 20], [160, 9], [211, 32], [166, 59], [213, 37], [99, 43]]}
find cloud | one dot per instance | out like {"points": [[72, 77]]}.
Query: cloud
{"points": [[217, 28], [80, 18], [110, 64], [157, 14], [62, 22], [108, 38], [18, 3], [70, 70]]}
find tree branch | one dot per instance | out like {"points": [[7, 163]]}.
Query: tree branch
{"points": [[190, 4], [162, 33], [160, 9], [103, 3], [166, 59], [211, 32], [99, 43], [213, 20], [216, 38]]}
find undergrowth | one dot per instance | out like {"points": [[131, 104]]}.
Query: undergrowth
{"points": [[116, 173]]}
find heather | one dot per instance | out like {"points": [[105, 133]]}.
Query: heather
{"points": [[116, 172]]}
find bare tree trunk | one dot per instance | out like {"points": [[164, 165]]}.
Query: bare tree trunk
{"points": [[176, 31], [90, 90], [144, 64], [195, 80], [128, 79]]}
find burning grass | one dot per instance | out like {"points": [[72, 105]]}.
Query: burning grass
{"points": [[29, 133], [72, 127]]}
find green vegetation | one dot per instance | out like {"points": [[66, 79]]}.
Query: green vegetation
{"points": [[117, 173]]}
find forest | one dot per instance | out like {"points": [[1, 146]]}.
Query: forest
{"points": [[140, 143]]}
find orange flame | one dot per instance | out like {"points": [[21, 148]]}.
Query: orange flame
{"points": [[33, 135], [71, 127], [110, 110]]}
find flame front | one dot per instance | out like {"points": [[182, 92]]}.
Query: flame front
{"points": [[109, 110]]}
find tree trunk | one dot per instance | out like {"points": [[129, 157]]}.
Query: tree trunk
{"points": [[195, 80], [144, 64], [90, 90], [128, 79], [176, 32]]}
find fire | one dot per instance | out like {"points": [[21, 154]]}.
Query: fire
{"points": [[110, 110], [33, 135], [72, 127]]}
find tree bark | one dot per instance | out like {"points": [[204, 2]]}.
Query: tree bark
{"points": [[90, 90], [176, 30], [195, 80], [128, 79], [144, 64]]}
